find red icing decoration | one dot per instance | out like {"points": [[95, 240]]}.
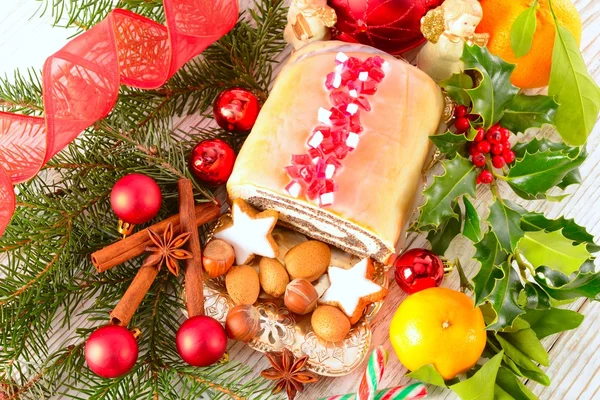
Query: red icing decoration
{"points": [[312, 173], [81, 81]]}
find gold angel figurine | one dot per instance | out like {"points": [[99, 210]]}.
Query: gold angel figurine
{"points": [[308, 21], [447, 28]]}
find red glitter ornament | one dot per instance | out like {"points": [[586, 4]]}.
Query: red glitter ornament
{"points": [[212, 161], [236, 110], [418, 269], [111, 351], [135, 198], [201, 341], [393, 26]]}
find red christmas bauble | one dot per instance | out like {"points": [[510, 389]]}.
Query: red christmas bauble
{"points": [[418, 269], [111, 351], [212, 161], [201, 341], [393, 26], [136, 198], [236, 110]]}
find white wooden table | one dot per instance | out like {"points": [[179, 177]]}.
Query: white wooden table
{"points": [[26, 40]]}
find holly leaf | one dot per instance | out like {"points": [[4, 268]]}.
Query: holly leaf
{"points": [[525, 112], [554, 250], [458, 179], [441, 238], [571, 178], [513, 386], [480, 386], [428, 374], [555, 320], [494, 90], [456, 85], [533, 221], [522, 30], [505, 298], [539, 172], [560, 287], [574, 89], [489, 253], [536, 297], [449, 143], [472, 228], [506, 223], [537, 145]]}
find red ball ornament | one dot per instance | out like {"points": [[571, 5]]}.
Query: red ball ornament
{"points": [[418, 269], [201, 341], [136, 198], [111, 351], [393, 26], [236, 110], [212, 161]]}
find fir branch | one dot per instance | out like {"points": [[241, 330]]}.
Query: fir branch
{"points": [[22, 94]]}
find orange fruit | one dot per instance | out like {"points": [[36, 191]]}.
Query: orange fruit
{"points": [[533, 69], [438, 326]]}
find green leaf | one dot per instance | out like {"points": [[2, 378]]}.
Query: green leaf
{"points": [[555, 320], [537, 145], [527, 342], [495, 90], [457, 180], [505, 298], [441, 238], [533, 221], [521, 33], [449, 143], [489, 253], [574, 89], [525, 112], [560, 287], [513, 385], [527, 367], [539, 172], [472, 229], [536, 297], [506, 222], [572, 178], [428, 374], [481, 385], [455, 87], [552, 249]]}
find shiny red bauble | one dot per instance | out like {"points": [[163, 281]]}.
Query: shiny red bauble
{"points": [[236, 110], [201, 341], [111, 351], [418, 269], [393, 26], [136, 198], [212, 161]]}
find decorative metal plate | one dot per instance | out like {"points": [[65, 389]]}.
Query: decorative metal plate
{"points": [[280, 328]]}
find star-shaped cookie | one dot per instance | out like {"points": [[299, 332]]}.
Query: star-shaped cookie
{"points": [[249, 232], [352, 289]]}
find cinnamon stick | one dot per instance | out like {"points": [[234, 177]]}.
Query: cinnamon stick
{"points": [[134, 295], [135, 245], [194, 290]]}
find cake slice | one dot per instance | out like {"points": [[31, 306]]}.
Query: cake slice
{"points": [[339, 146]]}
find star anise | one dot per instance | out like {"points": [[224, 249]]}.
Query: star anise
{"points": [[167, 249], [289, 372]]}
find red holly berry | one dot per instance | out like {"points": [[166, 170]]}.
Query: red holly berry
{"points": [[505, 134], [461, 111], [506, 145], [473, 117], [480, 135], [485, 177], [494, 136], [479, 160], [484, 147], [462, 124], [508, 156], [498, 162], [473, 149], [497, 149]]}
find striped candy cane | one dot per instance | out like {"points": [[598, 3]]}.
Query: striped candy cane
{"points": [[415, 391], [373, 374]]}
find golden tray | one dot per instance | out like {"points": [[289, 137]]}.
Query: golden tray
{"points": [[281, 328]]}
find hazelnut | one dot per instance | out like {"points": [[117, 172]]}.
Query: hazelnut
{"points": [[218, 256], [242, 323], [300, 296]]}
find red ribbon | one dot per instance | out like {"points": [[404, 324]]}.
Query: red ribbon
{"points": [[81, 80]]}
